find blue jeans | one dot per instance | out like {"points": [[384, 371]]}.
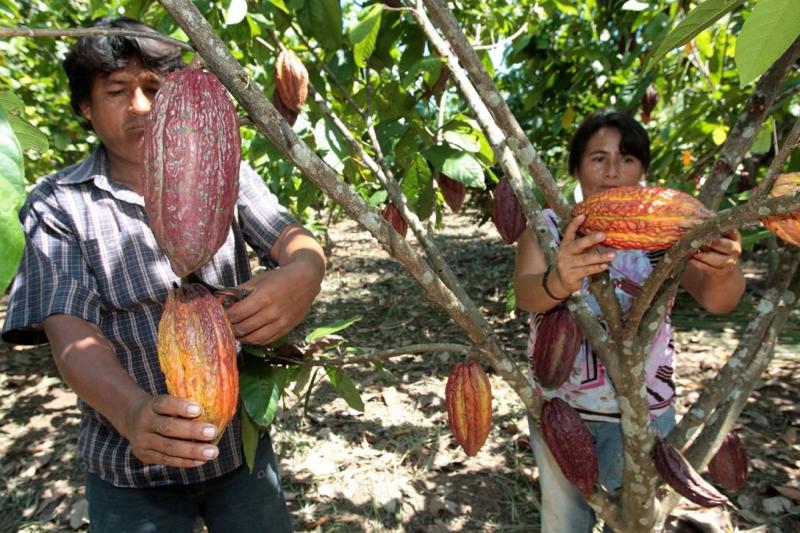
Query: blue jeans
{"points": [[564, 509], [236, 502]]}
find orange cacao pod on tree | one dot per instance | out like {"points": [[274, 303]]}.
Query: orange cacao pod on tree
{"points": [[507, 212], [391, 214], [676, 472], [468, 396], [558, 341], [641, 218], [197, 353], [453, 191], [291, 80], [787, 225], [191, 175], [570, 442], [729, 465]]}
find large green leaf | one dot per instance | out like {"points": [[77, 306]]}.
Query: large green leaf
{"points": [[417, 185], [261, 387], [365, 34], [330, 329], [250, 437], [28, 135], [456, 164], [325, 19], [237, 9], [12, 195], [12, 171], [345, 388], [10, 101], [696, 21], [771, 28]]}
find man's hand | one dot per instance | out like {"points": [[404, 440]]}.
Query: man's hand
{"points": [[161, 430], [720, 257], [577, 258]]}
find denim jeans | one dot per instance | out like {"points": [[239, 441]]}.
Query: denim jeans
{"points": [[563, 508], [236, 502]]}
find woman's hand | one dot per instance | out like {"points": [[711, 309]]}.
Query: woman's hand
{"points": [[720, 258], [577, 258]]}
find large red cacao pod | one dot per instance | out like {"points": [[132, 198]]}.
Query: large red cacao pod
{"points": [[197, 353], [640, 218], [729, 466], [393, 216], [676, 472], [453, 191], [570, 442], [191, 174], [291, 80], [787, 225], [468, 395], [558, 341], [507, 212]]}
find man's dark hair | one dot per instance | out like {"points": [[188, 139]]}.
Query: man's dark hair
{"points": [[101, 54], [633, 139]]}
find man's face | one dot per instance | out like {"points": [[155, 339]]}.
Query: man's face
{"points": [[117, 107]]}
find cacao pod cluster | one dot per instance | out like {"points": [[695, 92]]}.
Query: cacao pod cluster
{"points": [[393, 216], [507, 212], [191, 176], [641, 218], [785, 226], [558, 341], [468, 396], [676, 472], [570, 441], [291, 85], [453, 192], [729, 466], [197, 353]]}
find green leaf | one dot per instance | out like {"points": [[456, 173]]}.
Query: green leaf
{"points": [[280, 4], [345, 388], [365, 34], [763, 140], [261, 387], [12, 172], [236, 12], [10, 101], [12, 196], [695, 22], [28, 135], [301, 377], [330, 145], [250, 438], [468, 141], [456, 164], [330, 329], [771, 28], [417, 185], [326, 22], [566, 7], [719, 135]]}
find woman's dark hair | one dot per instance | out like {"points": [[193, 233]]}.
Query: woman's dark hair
{"points": [[633, 139], [102, 54]]}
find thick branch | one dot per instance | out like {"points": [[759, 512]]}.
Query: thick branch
{"points": [[268, 121], [789, 144], [379, 355], [90, 32]]}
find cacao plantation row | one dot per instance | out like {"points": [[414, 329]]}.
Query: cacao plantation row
{"points": [[406, 117]]}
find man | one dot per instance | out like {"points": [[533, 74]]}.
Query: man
{"points": [[93, 279]]}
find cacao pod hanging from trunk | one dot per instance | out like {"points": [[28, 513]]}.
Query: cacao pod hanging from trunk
{"points": [[291, 80], [197, 353], [191, 167], [558, 341], [787, 225], [507, 212], [641, 218], [676, 472], [570, 442], [453, 191], [649, 101], [287, 114], [468, 396], [393, 216], [729, 465]]}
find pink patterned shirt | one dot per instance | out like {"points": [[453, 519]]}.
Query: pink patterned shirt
{"points": [[589, 389]]}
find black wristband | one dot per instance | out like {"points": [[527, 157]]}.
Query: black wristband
{"points": [[544, 285]]}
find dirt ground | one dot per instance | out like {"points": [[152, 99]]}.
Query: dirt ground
{"points": [[395, 467]]}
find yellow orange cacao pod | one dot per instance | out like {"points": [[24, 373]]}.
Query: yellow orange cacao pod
{"points": [[785, 226], [291, 80], [197, 353], [468, 396], [640, 218]]}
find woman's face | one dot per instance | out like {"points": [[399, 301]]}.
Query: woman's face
{"points": [[602, 166]]}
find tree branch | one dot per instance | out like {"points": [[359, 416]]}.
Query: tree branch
{"points": [[789, 144], [90, 32], [410, 349]]}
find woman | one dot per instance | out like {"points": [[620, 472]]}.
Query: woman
{"points": [[609, 150]]}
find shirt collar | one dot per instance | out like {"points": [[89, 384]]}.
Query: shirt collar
{"points": [[95, 169]]}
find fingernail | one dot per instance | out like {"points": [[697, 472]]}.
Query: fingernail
{"points": [[193, 409], [210, 452], [209, 431]]}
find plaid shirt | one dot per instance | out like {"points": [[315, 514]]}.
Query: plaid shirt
{"points": [[89, 253]]}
